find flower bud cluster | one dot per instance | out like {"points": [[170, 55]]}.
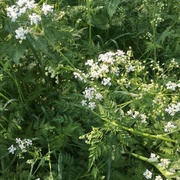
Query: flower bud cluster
{"points": [[157, 19], [53, 72]]}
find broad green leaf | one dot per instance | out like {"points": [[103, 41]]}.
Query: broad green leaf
{"points": [[16, 52], [112, 6]]}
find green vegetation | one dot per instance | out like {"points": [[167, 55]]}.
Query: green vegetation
{"points": [[89, 89]]}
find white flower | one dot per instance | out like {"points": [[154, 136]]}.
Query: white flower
{"points": [[84, 103], [22, 10], [81, 76], [129, 112], [178, 107], [12, 149], [99, 96], [106, 81], [106, 58], [89, 62], [30, 4], [12, 12], [169, 127], [89, 93], [104, 68], [120, 53], [164, 163], [21, 33], [18, 141], [22, 147], [147, 174], [143, 118], [95, 74], [136, 113], [20, 3], [173, 108], [158, 178], [95, 71], [23, 143], [34, 18], [130, 68], [153, 157], [172, 86], [28, 142], [92, 105], [47, 8]]}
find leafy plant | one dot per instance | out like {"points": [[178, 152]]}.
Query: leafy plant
{"points": [[74, 106]]}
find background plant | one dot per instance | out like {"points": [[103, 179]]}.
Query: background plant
{"points": [[41, 97]]}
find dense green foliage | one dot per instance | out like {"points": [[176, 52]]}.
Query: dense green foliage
{"points": [[90, 91]]}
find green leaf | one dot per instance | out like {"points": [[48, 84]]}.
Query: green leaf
{"points": [[17, 52], [165, 34], [112, 6]]}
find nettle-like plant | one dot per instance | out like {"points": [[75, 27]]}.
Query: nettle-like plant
{"points": [[138, 116]]}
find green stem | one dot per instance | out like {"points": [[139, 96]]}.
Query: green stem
{"points": [[49, 160], [148, 135], [152, 136], [30, 174], [90, 26], [58, 51], [60, 166]]}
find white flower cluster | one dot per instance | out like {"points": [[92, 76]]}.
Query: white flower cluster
{"points": [[91, 96], [169, 127], [172, 86], [173, 109], [135, 114], [80, 75], [147, 174], [106, 67], [20, 8], [21, 145], [21, 33], [153, 157], [34, 18], [26, 7], [158, 178], [164, 163]]}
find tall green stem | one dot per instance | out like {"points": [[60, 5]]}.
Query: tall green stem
{"points": [[133, 131], [90, 26]]}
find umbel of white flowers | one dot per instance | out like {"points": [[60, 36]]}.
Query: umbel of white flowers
{"points": [[23, 7]]}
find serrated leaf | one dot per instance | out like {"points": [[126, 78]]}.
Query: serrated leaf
{"points": [[16, 53]]}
